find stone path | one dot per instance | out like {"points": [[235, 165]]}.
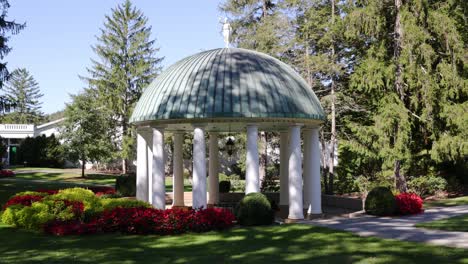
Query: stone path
{"points": [[402, 228]]}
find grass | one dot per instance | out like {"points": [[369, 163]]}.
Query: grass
{"points": [[457, 223], [272, 244], [447, 202], [74, 176]]}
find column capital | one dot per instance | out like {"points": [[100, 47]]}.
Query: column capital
{"points": [[308, 128], [296, 124]]}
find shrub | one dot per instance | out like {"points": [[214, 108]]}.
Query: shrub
{"points": [[126, 185], [409, 203], [88, 198], [111, 203], [30, 193], [224, 186], [41, 212], [237, 185], [254, 209], [427, 185], [380, 201]]}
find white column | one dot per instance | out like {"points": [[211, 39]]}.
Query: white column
{"points": [[142, 168], [295, 174], [307, 168], [199, 169], [284, 160], [213, 184], [252, 181], [148, 135], [315, 206], [158, 185], [178, 177]]}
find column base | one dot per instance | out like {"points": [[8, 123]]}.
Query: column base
{"points": [[292, 221], [181, 207], [315, 216]]}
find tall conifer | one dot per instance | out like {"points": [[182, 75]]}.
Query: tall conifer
{"points": [[127, 62]]}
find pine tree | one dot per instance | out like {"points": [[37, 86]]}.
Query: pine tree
{"points": [[5, 27], [23, 90], [411, 79], [126, 64]]}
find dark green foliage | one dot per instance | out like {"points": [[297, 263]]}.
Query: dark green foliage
{"points": [[126, 185], [41, 151], [254, 209], [380, 201], [427, 185], [126, 63], [6, 26], [224, 186], [23, 89]]}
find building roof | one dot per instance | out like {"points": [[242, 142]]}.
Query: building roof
{"points": [[227, 83]]}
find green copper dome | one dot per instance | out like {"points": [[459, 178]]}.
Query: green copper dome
{"points": [[227, 83]]}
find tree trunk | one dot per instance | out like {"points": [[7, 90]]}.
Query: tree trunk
{"points": [[324, 164], [331, 165], [83, 164], [400, 180]]}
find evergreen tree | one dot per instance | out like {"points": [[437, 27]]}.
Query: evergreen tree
{"points": [[411, 79], [126, 64], [23, 90], [6, 26], [86, 130]]}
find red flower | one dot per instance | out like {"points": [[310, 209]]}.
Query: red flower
{"points": [[6, 173], [25, 200], [409, 203]]}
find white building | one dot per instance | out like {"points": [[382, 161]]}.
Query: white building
{"points": [[12, 134]]}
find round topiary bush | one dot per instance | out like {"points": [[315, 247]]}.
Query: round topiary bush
{"points": [[380, 201], [224, 186], [254, 209]]}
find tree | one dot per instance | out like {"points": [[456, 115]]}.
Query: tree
{"points": [[126, 64], [22, 89], [6, 26], [412, 81], [86, 129]]}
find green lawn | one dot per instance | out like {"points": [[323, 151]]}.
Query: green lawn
{"points": [[273, 244], [74, 176], [447, 202], [457, 223]]}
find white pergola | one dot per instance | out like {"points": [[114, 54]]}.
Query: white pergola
{"points": [[229, 90]]}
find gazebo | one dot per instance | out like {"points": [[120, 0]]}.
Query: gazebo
{"points": [[227, 90]]}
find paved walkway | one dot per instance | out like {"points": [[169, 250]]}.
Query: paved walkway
{"points": [[402, 227]]}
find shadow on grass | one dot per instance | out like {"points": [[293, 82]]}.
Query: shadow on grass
{"points": [[273, 244]]}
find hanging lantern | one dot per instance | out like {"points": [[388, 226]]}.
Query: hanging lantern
{"points": [[230, 146]]}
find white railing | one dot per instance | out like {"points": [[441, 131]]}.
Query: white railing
{"points": [[17, 127]]}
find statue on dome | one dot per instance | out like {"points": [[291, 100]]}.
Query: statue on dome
{"points": [[227, 30]]}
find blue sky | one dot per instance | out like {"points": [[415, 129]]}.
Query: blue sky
{"points": [[56, 44]]}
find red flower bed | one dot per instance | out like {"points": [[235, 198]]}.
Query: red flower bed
{"points": [[409, 203], [147, 221], [6, 173], [25, 200]]}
